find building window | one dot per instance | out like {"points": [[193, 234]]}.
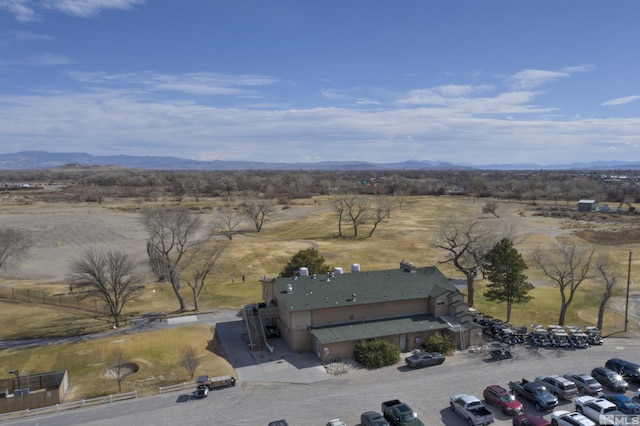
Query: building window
{"points": [[439, 302]]}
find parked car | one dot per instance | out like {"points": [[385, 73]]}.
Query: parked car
{"points": [[623, 403], [610, 379], [595, 408], [566, 418], [530, 420], [585, 383], [471, 409], [424, 359], [201, 391], [627, 369], [373, 418], [336, 422], [536, 393], [559, 386], [282, 422], [398, 413], [503, 399]]}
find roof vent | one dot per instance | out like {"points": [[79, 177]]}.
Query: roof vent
{"points": [[289, 288], [338, 270], [355, 267], [304, 272]]}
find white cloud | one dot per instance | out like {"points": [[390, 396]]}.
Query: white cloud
{"points": [[621, 101], [21, 9], [528, 79], [40, 59], [87, 8], [30, 10], [118, 120], [333, 94], [531, 78], [188, 83]]}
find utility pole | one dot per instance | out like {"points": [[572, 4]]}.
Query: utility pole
{"points": [[626, 309]]}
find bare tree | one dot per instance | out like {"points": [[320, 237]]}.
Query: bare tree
{"points": [[172, 234], [259, 211], [227, 221], [118, 361], [339, 207], [491, 207], [380, 212], [13, 243], [568, 266], [357, 208], [109, 276], [466, 242], [189, 360], [202, 262], [608, 279]]}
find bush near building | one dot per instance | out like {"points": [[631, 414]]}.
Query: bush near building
{"points": [[376, 353]]}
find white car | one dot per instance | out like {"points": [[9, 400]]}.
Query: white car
{"points": [[567, 418]]}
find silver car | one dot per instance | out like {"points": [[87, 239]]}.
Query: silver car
{"points": [[585, 383]]}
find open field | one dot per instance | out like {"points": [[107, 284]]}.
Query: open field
{"points": [[63, 231]]}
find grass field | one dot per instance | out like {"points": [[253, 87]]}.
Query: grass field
{"points": [[407, 234]]}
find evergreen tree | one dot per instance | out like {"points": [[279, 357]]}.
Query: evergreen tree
{"points": [[308, 258], [504, 267]]}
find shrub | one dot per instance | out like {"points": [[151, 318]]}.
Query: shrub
{"points": [[376, 353], [438, 342]]}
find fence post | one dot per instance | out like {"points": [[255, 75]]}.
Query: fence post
{"points": [[28, 296]]}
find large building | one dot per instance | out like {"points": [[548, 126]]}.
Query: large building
{"points": [[330, 314]]}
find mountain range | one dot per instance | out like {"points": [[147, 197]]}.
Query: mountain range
{"points": [[32, 160]]}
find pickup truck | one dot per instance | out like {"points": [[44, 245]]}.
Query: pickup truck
{"points": [[597, 409], [398, 413], [471, 409], [536, 393]]}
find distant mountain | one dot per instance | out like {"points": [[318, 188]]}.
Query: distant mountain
{"points": [[32, 160]]}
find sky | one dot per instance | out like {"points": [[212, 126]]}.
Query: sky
{"points": [[474, 82]]}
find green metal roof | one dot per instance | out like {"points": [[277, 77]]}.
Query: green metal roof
{"points": [[328, 291], [378, 328]]}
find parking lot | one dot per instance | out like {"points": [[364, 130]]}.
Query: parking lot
{"points": [[352, 392]]}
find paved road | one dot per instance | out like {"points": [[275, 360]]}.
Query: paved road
{"points": [[293, 386]]}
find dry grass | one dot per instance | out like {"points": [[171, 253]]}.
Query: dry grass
{"points": [[408, 234], [157, 353]]}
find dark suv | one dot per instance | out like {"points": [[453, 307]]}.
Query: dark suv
{"points": [[627, 369], [610, 379]]}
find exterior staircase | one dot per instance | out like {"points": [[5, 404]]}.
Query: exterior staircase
{"points": [[253, 317]]}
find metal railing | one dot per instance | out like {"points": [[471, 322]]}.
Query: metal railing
{"points": [[15, 415]]}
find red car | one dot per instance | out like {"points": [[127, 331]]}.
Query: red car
{"points": [[530, 420], [500, 397]]}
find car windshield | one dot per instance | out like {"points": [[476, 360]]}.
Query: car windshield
{"points": [[408, 417], [629, 404], [592, 381], [614, 377], [507, 397], [540, 391]]}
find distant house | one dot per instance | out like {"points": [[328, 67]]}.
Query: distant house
{"points": [[330, 314], [587, 206]]}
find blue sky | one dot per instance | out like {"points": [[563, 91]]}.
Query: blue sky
{"points": [[480, 82]]}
